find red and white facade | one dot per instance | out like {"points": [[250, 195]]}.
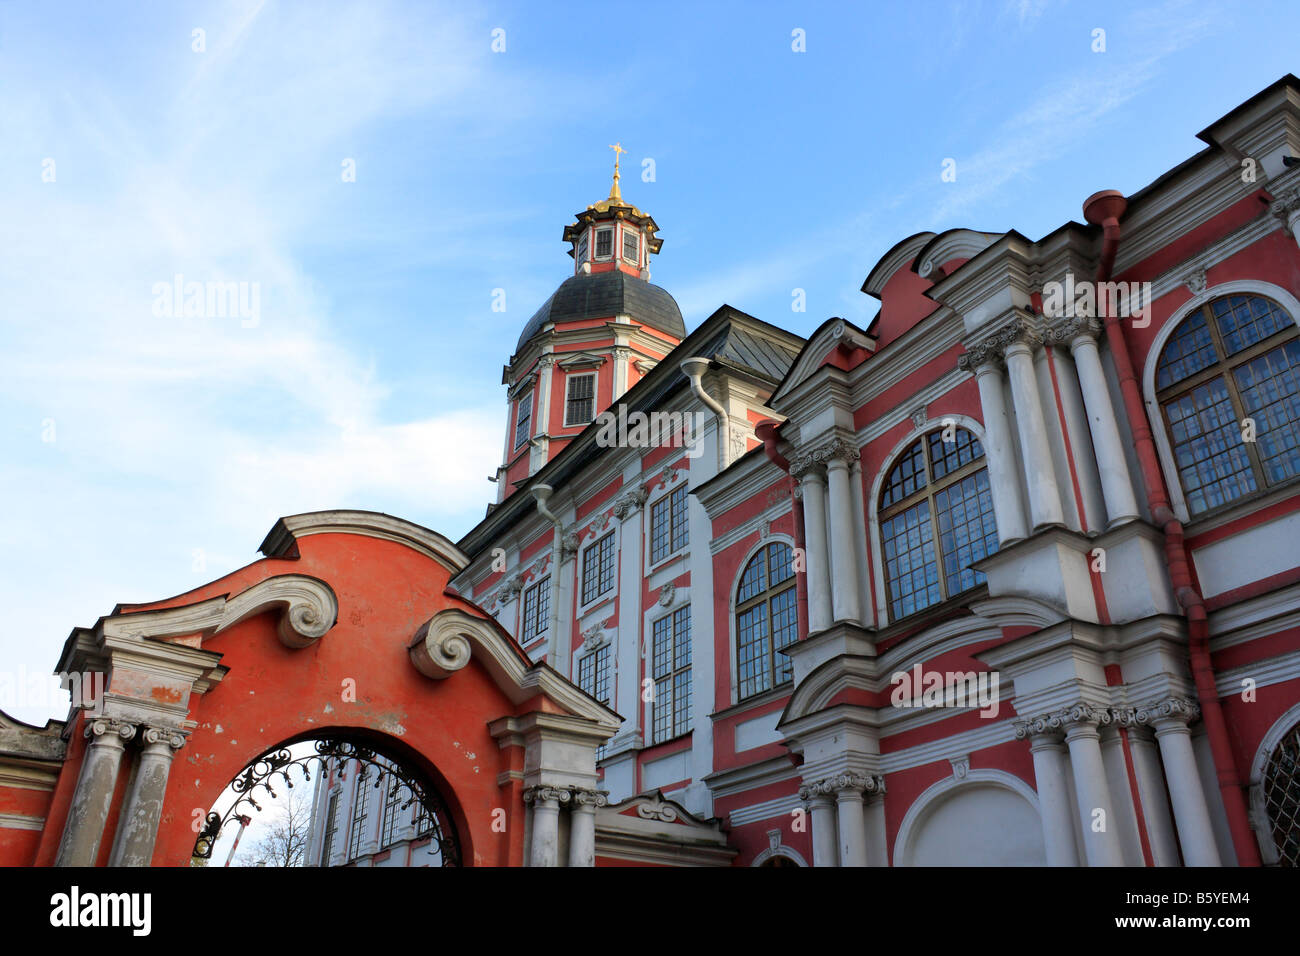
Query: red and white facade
{"points": [[979, 483], [991, 581]]}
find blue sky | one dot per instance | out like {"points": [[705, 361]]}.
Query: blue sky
{"points": [[144, 455]]}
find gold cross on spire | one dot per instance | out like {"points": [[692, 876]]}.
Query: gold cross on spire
{"points": [[614, 194]]}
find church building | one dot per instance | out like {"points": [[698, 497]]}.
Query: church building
{"points": [[1006, 577]]}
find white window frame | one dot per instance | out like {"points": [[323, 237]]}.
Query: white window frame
{"points": [[595, 245], [568, 379], [636, 237], [516, 444], [580, 571]]}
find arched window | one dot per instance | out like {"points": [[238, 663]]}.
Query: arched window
{"points": [[766, 620], [1282, 797], [1236, 357], [937, 491]]}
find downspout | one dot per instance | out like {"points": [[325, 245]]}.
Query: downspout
{"points": [[766, 430], [543, 494], [694, 369], [1105, 209]]}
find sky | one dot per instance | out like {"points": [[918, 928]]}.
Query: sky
{"points": [[373, 173]]}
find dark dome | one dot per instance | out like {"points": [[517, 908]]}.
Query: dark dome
{"points": [[604, 295]]}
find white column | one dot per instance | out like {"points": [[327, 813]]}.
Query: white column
{"points": [[545, 843], [814, 532], [1004, 482], [1191, 813], [1155, 800], [582, 827], [846, 602], [852, 822], [1053, 798], [137, 828], [877, 840], [1100, 835], [84, 825], [820, 810], [860, 541], [1116, 484], [1044, 494]]}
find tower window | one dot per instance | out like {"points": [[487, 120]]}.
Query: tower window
{"points": [[582, 248], [580, 408], [631, 245], [523, 418], [604, 243], [537, 610]]}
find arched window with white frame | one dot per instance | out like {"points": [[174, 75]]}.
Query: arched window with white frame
{"points": [[936, 520], [766, 620], [1236, 358]]}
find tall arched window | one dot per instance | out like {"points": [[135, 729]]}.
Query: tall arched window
{"points": [[937, 491], [766, 620], [1236, 357], [1282, 797]]}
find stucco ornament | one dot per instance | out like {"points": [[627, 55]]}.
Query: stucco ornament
{"points": [[442, 645]]}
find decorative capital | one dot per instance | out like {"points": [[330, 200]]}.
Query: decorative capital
{"points": [[1066, 332], [110, 726], [1183, 710], [1287, 207], [546, 793], [172, 738], [849, 781], [583, 797], [836, 449], [991, 349], [1053, 724]]}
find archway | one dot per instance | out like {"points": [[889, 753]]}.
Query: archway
{"points": [[367, 801], [984, 821]]}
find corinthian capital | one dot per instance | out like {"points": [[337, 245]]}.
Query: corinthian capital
{"points": [[991, 349], [818, 456], [848, 781], [1066, 331], [1286, 206]]}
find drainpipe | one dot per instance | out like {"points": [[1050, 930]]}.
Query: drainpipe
{"points": [[543, 494], [694, 369], [766, 431], [1105, 209]]}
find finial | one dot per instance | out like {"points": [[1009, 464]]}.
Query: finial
{"points": [[614, 194]]}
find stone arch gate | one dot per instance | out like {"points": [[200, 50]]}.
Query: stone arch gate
{"points": [[345, 626]]}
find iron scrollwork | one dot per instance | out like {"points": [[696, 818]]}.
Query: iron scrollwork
{"points": [[432, 820]]}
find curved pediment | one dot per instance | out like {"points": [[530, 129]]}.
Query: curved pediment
{"points": [[281, 540], [949, 246]]}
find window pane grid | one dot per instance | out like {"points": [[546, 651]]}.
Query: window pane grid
{"points": [[671, 671], [331, 827], [1190, 349], [388, 825], [906, 478], [668, 525], [1270, 394], [359, 815], [766, 620], [967, 529], [1246, 319], [524, 419], [598, 568], [909, 557], [537, 610]]}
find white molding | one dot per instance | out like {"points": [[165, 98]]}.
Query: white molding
{"points": [[767, 810], [18, 821], [1155, 414], [934, 795], [743, 531], [1274, 670], [368, 524]]}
